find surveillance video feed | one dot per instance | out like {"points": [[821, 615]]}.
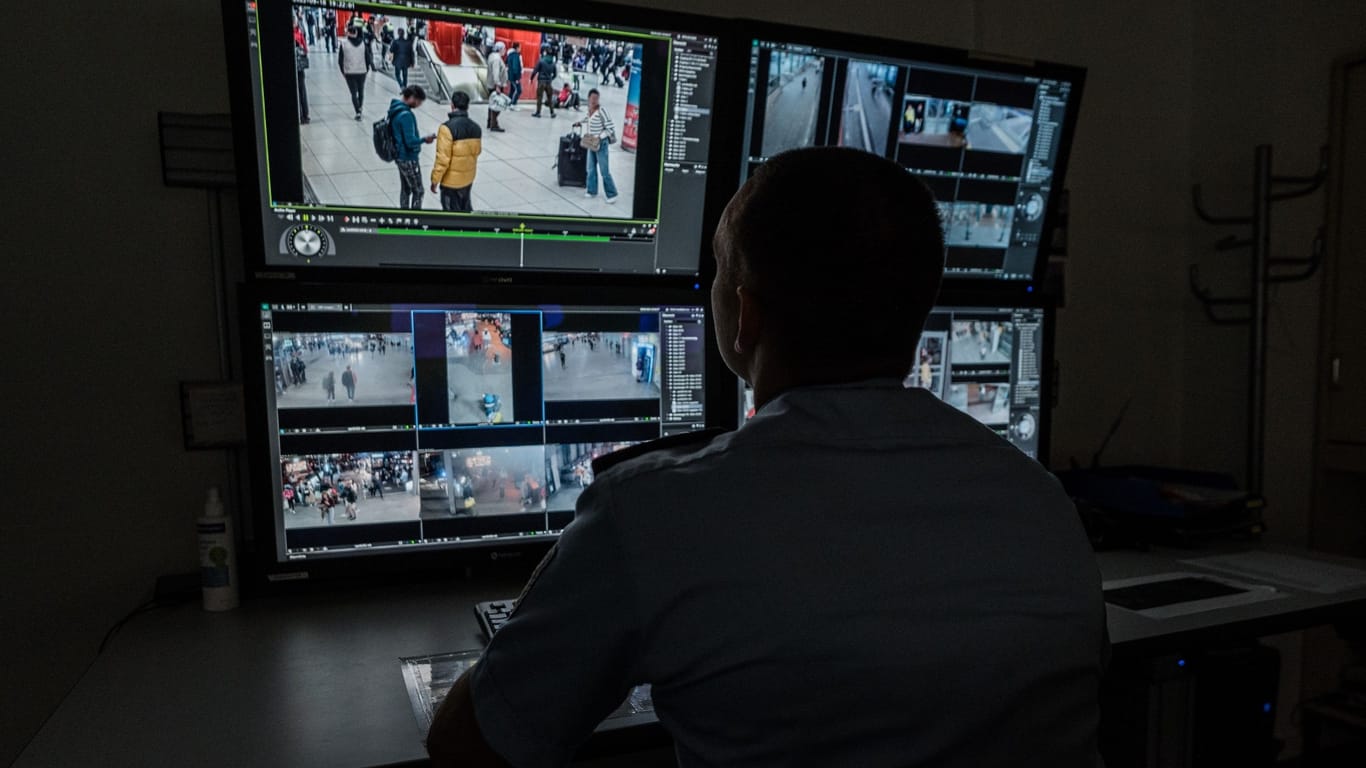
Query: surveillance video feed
{"points": [[474, 449], [869, 93], [934, 122], [987, 141], [982, 341], [997, 128], [571, 470], [988, 403], [512, 148], [976, 224], [400, 134], [479, 367], [343, 369], [987, 363], [347, 489], [984, 362], [794, 94], [481, 482], [594, 365], [928, 372]]}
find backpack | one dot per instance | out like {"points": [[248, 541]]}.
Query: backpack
{"points": [[385, 144]]}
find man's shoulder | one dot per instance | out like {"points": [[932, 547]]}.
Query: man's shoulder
{"points": [[462, 127], [655, 454]]}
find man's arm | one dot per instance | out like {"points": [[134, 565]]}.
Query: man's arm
{"points": [[454, 738], [565, 659], [443, 155]]}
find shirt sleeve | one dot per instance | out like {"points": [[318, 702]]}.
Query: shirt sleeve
{"points": [[567, 656]]}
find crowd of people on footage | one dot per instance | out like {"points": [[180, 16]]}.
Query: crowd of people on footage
{"points": [[478, 335], [459, 140], [325, 483]]}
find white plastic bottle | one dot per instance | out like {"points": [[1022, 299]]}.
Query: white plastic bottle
{"points": [[217, 556]]}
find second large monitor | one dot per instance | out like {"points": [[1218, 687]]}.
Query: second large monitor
{"points": [[989, 137]]}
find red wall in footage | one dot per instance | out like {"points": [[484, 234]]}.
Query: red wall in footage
{"points": [[449, 40]]}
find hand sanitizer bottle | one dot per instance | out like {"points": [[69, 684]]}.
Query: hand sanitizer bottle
{"points": [[217, 556]]}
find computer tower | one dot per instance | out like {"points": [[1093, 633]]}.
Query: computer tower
{"points": [[1209, 708], [1235, 707]]}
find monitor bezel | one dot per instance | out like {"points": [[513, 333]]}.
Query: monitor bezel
{"points": [[722, 175], [753, 29], [265, 572]]}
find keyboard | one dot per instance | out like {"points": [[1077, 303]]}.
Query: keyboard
{"points": [[638, 707]]}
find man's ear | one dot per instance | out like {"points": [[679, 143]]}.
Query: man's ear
{"points": [[748, 324]]}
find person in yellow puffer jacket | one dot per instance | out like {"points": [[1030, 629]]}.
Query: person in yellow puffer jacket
{"points": [[459, 141]]}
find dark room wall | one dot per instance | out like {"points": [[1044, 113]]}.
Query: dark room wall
{"points": [[107, 287], [107, 280], [1261, 71]]}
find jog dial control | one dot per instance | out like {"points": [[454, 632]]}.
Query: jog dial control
{"points": [[306, 241]]}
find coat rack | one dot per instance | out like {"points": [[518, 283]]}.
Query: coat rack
{"points": [[1267, 189]]}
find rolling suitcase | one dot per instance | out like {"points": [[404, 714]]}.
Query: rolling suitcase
{"points": [[571, 167]]}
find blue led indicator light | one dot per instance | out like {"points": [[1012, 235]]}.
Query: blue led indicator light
{"points": [[1180, 662], [1029, 289], [1267, 707]]}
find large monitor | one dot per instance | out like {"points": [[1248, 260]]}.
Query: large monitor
{"points": [[988, 362], [990, 136], [404, 428], [519, 197]]}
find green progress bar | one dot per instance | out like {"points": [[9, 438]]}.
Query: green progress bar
{"points": [[495, 235]]}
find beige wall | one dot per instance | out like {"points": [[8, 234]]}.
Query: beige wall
{"points": [[101, 495]]}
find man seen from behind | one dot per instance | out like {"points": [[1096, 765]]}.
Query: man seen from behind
{"points": [[860, 576]]}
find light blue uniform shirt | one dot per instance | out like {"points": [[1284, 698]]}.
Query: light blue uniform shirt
{"points": [[860, 576]]}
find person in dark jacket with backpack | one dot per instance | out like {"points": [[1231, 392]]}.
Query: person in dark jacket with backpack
{"points": [[408, 145], [401, 54]]}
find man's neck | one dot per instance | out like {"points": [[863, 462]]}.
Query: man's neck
{"points": [[771, 379]]}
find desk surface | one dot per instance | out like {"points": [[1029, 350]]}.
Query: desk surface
{"points": [[1133, 635], [315, 681]]}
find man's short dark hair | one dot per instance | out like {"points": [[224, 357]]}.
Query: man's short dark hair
{"points": [[594, 91], [413, 91], [460, 100], [844, 251]]}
